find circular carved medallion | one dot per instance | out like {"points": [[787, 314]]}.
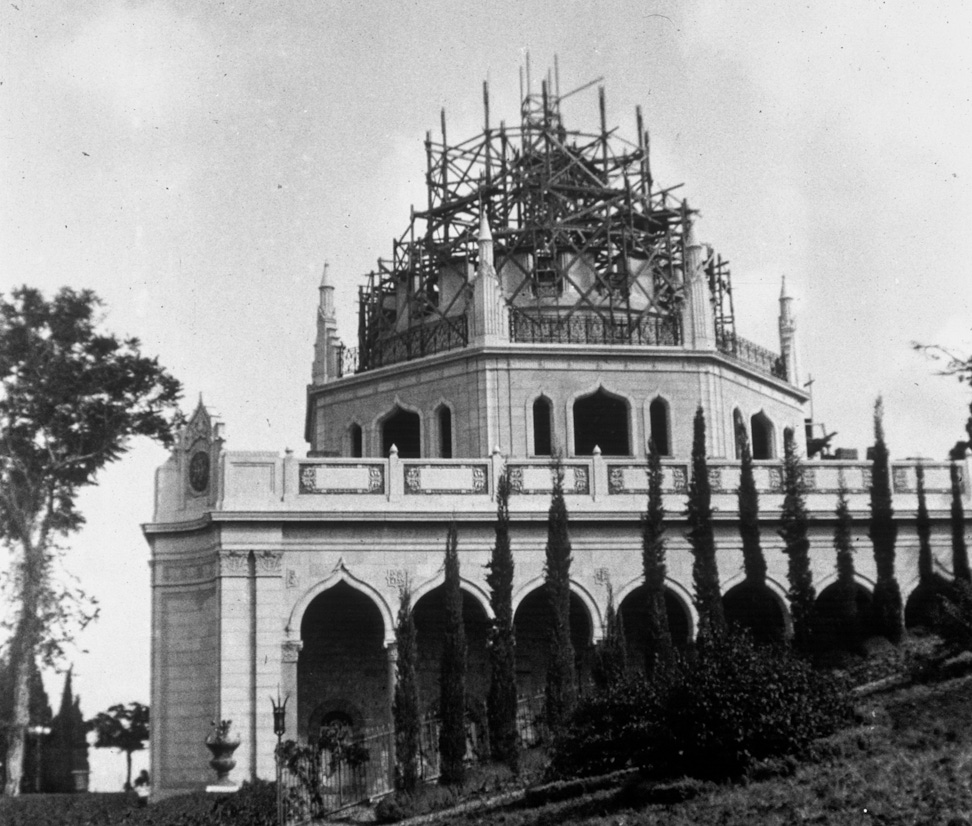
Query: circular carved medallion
{"points": [[199, 471]]}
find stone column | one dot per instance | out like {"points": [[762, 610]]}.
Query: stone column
{"points": [[268, 630], [236, 654], [391, 649], [289, 653]]}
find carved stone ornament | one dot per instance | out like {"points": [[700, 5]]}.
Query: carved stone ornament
{"points": [[199, 471], [601, 576], [516, 480], [616, 480], [290, 651], [269, 561], [679, 479], [396, 578], [233, 562], [291, 579], [715, 478], [900, 477], [413, 479], [479, 479], [582, 482], [776, 478]]}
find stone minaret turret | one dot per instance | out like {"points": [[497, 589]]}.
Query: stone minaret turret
{"points": [[788, 349], [698, 316], [327, 346], [488, 322]]}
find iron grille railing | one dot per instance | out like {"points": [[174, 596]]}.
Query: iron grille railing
{"points": [[317, 782], [753, 355], [586, 328], [416, 342]]}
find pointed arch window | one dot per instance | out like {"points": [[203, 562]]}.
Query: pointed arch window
{"points": [[763, 436], [444, 416], [402, 429], [658, 423], [542, 430], [356, 442], [601, 420]]}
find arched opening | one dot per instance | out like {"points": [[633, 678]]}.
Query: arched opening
{"points": [[601, 420], [755, 608], [342, 668], [542, 429], [355, 433], [658, 421], [531, 624], [634, 615], [738, 431], [402, 429], [444, 416], [842, 625], [762, 436], [430, 628], [923, 607]]}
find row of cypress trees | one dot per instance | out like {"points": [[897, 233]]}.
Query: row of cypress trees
{"points": [[610, 662]]}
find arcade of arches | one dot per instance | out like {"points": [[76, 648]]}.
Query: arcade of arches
{"points": [[345, 673]]}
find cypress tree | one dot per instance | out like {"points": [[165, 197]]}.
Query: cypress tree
{"points": [[611, 658], [561, 688], [660, 653], [405, 708], [67, 745], [753, 561], [452, 674], [705, 571], [883, 533], [796, 545], [960, 554], [926, 568], [847, 622], [501, 702]]}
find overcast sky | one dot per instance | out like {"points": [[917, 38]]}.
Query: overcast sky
{"points": [[196, 163]]}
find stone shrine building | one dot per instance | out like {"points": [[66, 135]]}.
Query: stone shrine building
{"points": [[549, 299]]}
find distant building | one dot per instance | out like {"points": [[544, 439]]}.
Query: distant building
{"points": [[548, 298]]}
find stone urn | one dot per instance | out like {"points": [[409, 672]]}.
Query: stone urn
{"points": [[222, 742]]}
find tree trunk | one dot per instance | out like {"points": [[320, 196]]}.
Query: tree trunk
{"points": [[21, 655], [128, 771]]}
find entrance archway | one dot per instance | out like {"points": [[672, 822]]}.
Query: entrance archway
{"points": [[836, 627], [531, 623], [429, 616], [601, 420], [634, 615], [756, 609], [342, 670]]}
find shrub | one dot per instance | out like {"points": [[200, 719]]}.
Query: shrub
{"points": [[738, 704], [712, 718], [609, 731]]}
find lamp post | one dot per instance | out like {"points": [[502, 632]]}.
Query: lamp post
{"points": [[279, 728], [38, 732]]}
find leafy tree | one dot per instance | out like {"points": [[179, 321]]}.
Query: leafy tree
{"points": [[883, 532], [68, 748], [660, 652], [123, 727], [452, 674], [960, 553], [796, 545], [705, 571], [405, 707], [502, 699], [611, 657], [72, 397], [753, 561], [561, 688]]}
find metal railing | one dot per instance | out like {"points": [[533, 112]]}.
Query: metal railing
{"points": [[752, 354], [415, 342], [319, 781], [586, 328]]}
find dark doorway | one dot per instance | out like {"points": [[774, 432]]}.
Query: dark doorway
{"points": [[356, 450], [754, 608], [601, 420], [658, 420], [762, 429], [542, 441], [402, 429], [445, 432]]}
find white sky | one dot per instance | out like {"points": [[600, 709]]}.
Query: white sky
{"points": [[195, 163]]}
